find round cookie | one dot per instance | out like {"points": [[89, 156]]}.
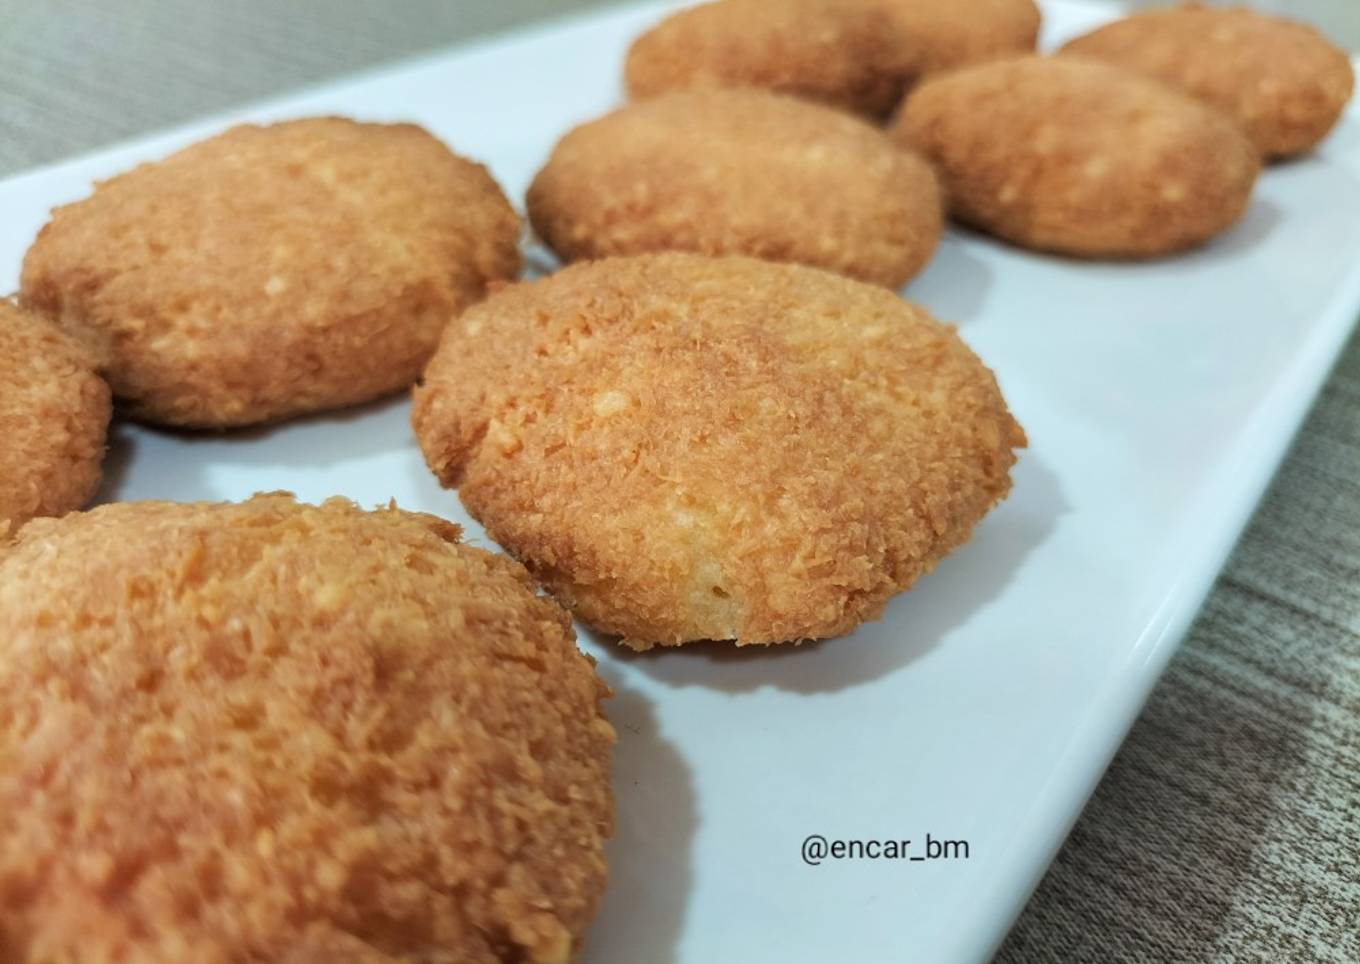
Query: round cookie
{"points": [[847, 55], [956, 33], [273, 271], [1076, 157], [685, 448], [1281, 80], [275, 732], [54, 415], [760, 174]]}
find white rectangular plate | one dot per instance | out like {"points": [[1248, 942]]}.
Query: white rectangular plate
{"points": [[1158, 398]]}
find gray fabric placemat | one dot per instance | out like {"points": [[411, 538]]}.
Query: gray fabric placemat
{"points": [[1227, 828]]}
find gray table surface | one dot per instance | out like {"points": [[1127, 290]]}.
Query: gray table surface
{"points": [[1228, 826]]}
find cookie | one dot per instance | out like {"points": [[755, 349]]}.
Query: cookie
{"points": [[273, 271], [848, 55], [1281, 80], [957, 33], [276, 732], [54, 415], [740, 172], [1080, 158], [684, 448]]}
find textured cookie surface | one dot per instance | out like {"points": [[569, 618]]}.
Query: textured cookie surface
{"points": [[54, 414], [1282, 81], [272, 271], [740, 172], [272, 732], [1078, 157], [947, 34], [688, 448], [848, 55]]}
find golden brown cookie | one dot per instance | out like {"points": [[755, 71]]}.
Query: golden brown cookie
{"points": [[1073, 156], [684, 448], [740, 172], [948, 34], [275, 732], [1284, 82], [272, 271], [848, 55], [54, 414]]}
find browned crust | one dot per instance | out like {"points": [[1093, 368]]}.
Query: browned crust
{"points": [[273, 271], [1081, 158], [948, 34], [277, 732], [54, 416], [684, 447], [1281, 80], [740, 172], [848, 55]]}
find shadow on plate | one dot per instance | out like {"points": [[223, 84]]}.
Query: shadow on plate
{"points": [[187, 456], [356, 432], [118, 458], [539, 259], [1343, 141], [914, 623], [958, 291], [1263, 217], [650, 872], [955, 284]]}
